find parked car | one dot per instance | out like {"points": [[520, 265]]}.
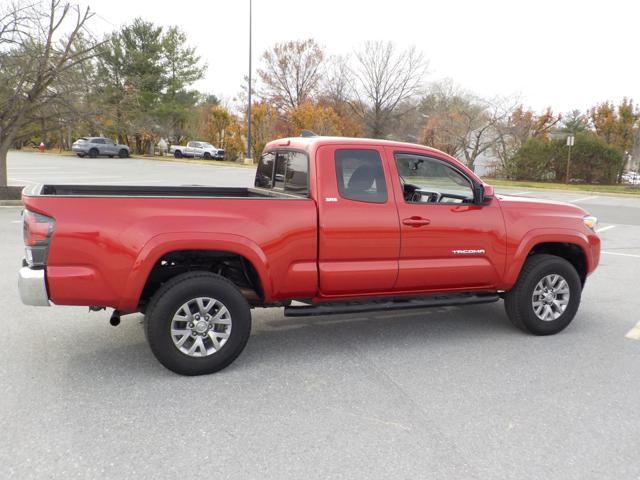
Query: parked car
{"points": [[197, 150], [631, 177], [99, 146], [332, 225]]}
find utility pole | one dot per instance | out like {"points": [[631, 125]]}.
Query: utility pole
{"points": [[249, 103], [570, 141]]}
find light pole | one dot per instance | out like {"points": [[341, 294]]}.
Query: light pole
{"points": [[570, 141], [249, 102]]}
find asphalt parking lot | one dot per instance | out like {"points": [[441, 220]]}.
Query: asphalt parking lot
{"points": [[443, 393]]}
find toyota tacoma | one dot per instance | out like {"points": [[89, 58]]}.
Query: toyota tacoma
{"points": [[331, 225]]}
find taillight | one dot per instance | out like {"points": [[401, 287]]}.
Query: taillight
{"points": [[37, 231]]}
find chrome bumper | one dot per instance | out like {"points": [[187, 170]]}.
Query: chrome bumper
{"points": [[32, 286]]}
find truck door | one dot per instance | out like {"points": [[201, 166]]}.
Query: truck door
{"points": [[359, 234], [447, 241]]}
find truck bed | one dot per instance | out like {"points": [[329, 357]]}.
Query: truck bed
{"points": [[151, 191]]}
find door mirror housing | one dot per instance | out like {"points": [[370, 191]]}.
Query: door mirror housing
{"points": [[482, 193]]}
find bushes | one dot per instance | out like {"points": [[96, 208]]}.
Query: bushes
{"points": [[592, 160]]}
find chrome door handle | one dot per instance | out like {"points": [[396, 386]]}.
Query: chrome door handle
{"points": [[416, 221]]}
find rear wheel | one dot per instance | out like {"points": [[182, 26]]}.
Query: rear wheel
{"points": [[177, 154], [197, 323], [123, 153], [546, 296], [93, 153]]}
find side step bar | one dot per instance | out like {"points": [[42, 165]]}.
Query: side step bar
{"points": [[333, 308]]}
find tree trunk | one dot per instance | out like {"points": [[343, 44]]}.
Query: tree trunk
{"points": [[4, 178]]}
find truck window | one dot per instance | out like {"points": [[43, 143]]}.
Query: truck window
{"points": [[297, 174], [284, 170], [360, 176], [428, 180]]}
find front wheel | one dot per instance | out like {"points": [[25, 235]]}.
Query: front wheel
{"points": [[546, 296], [197, 323], [93, 153], [123, 153]]}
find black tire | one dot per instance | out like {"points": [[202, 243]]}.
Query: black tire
{"points": [[177, 154], [110, 156], [123, 153], [168, 300], [93, 153], [519, 302], [81, 155], [207, 156]]}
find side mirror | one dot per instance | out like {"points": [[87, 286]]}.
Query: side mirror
{"points": [[482, 193]]}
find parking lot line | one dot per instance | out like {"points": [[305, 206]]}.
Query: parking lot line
{"points": [[582, 199], [622, 254], [604, 229], [634, 333]]}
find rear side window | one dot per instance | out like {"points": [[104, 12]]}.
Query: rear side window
{"points": [[297, 174], [360, 176], [284, 170]]}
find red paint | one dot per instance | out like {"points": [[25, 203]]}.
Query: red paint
{"points": [[103, 248]]}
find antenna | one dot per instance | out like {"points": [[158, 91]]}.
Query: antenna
{"points": [[308, 133]]}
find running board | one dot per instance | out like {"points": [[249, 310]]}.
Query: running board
{"points": [[333, 308]]}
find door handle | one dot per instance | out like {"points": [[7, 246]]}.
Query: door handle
{"points": [[416, 221]]}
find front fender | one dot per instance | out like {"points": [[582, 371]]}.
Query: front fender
{"points": [[162, 244], [546, 235]]}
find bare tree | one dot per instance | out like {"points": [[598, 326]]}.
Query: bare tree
{"points": [[461, 123], [35, 55], [291, 73], [382, 79]]}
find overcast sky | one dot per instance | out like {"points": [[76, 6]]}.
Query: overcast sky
{"points": [[565, 54]]}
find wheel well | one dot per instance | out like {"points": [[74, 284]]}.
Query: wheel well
{"points": [[233, 267], [569, 251]]}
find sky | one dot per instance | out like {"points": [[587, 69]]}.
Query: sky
{"points": [[564, 54]]}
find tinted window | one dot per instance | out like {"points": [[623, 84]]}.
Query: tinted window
{"points": [[296, 173], [427, 180], [360, 176], [287, 171], [264, 174]]}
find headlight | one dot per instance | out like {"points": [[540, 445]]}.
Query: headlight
{"points": [[590, 221]]}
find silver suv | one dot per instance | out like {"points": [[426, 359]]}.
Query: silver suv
{"points": [[95, 146]]}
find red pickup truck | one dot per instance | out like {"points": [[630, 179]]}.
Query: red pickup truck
{"points": [[332, 225]]}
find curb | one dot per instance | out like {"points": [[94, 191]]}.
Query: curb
{"points": [[11, 203]]}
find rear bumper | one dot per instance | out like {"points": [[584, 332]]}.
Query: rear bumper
{"points": [[33, 287]]}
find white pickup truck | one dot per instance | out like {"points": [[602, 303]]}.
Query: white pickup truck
{"points": [[197, 150]]}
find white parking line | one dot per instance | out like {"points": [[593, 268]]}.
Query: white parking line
{"points": [[634, 333], [604, 229], [126, 182], [16, 221], [622, 254], [583, 199], [520, 193], [20, 180]]}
